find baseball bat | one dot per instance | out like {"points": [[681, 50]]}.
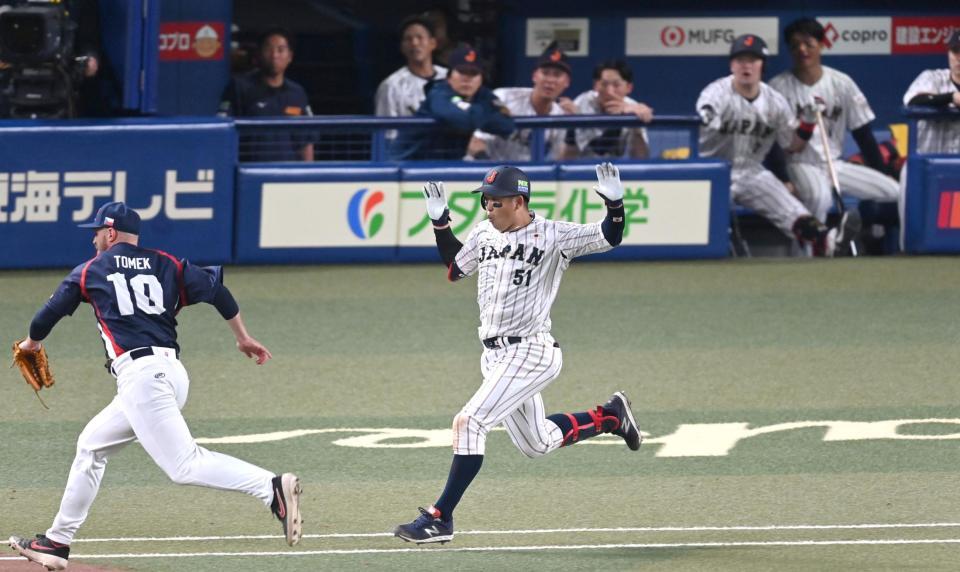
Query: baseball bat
{"points": [[834, 180]]}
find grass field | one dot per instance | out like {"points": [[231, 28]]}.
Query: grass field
{"points": [[818, 359]]}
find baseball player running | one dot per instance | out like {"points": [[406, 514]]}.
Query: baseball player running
{"points": [[136, 293], [844, 107], [519, 259], [742, 116]]}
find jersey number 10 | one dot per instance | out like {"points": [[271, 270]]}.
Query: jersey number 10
{"points": [[146, 289]]}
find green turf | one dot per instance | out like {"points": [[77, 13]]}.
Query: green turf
{"points": [[759, 342]]}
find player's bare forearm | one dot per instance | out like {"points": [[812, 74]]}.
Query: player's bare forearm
{"points": [[638, 145], [248, 345], [307, 153]]}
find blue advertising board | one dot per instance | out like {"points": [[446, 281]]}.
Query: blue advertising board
{"points": [[179, 175], [933, 205]]}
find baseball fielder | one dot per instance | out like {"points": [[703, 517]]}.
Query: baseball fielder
{"points": [[742, 116], [519, 259], [136, 293], [844, 108]]}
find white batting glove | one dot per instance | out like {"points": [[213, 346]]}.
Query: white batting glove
{"points": [[608, 183], [436, 200]]}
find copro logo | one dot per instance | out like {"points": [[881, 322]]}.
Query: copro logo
{"points": [[364, 222]]}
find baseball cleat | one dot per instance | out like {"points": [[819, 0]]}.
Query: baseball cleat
{"points": [[49, 554], [425, 529], [619, 405], [286, 506]]}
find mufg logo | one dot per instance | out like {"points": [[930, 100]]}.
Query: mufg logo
{"points": [[361, 215]]}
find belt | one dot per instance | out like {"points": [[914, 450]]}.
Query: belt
{"points": [[138, 353], [500, 342]]}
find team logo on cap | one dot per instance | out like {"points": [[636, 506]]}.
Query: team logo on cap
{"points": [[555, 56], [748, 41], [491, 177], [361, 216], [471, 56], [108, 221]]}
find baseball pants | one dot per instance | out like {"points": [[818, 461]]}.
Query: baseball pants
{"points": [[813, 184], [513, 377], [150, 393], [760, 191]]}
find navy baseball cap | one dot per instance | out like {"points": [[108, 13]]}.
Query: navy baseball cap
{"points": [[465, 59], [749, 44], [553, 57], [954, 41], [505, 181], [117, 216]]}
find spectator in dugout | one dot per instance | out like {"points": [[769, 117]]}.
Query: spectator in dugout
{"points": [[551, 77], [461, 104], [402, 92], [612, 85], [939, 89], [267, 92]]}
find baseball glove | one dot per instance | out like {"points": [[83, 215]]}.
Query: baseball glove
{"points": [[34, 366]]}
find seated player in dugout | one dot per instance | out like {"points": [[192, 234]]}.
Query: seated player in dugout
{"points": [[402, 92], [268, 92], [461, 104], [742, 117], [551, 77], [842, 107], [612, 86]]}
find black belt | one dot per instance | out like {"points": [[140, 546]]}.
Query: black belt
{"points": [[496, 342], [136, 353]]}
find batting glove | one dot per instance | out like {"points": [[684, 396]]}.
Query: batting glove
{"points": [[608, 183], [809, 112], [436, 201]]}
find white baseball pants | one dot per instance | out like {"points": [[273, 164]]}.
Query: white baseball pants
{"points": [[513, 377], [813, 184], [760, 191], [150, 393]]}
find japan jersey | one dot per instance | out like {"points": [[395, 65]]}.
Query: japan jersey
{"points": [[739, 130], [588, 103], [846, 110], [516, 146], [401, 93], [135, 294], [935, 136], [519, 271]]}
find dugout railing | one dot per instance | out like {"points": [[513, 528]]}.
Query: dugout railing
{"points": [[368, 138]]}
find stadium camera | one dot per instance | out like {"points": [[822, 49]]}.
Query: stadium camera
{"points": [[36, 41]]}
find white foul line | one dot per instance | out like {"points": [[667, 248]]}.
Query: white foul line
{"points": [[757, 544], [543, 531]]}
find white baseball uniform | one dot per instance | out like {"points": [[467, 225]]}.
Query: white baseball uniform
{"points": [[518, 277], [742, 132], [588, 103], [516, 147], [401, 93], [846, 109], [942, 136]]}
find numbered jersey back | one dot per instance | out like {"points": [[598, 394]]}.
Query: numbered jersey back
{"points": [[136, 292]]}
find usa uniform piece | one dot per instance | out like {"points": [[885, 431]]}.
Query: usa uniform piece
{"points": [[518, 258], [135, 294]]}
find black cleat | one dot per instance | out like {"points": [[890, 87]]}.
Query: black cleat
{"points": [[49, 554], [286, 506], [426, 528], [619, 406]]}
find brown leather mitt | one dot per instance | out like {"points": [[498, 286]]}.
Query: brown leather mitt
{"points": [[34, 366]]}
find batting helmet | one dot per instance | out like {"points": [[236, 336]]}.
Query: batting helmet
{"points": [[505, 181]]}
